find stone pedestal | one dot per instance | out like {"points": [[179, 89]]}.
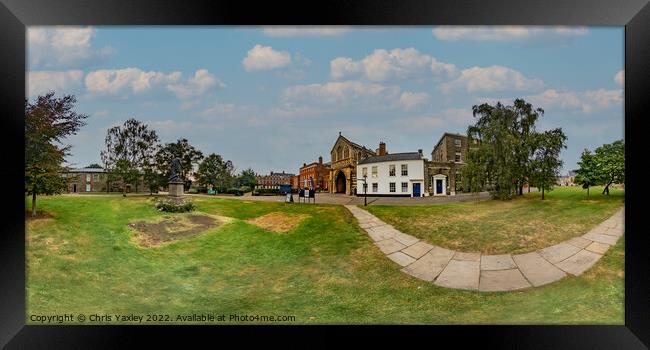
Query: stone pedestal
{"points": [[176, 189]]}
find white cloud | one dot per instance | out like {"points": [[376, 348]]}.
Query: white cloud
{"points": [[114, 81], [265, 58], [40, 82], [382, 65], [410, 100], [493, 78], [340, 92], [619, 78], [195, 85], [288, 32], [504, 33], [579, 101], [218, 109], [50, 47]]}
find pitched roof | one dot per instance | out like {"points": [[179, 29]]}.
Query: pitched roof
{"points": [[351, 143], [391, 157], [86, 170]]}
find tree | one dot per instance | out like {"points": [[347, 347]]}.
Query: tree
{"points": [[587, 174], [545, 165], [216, 172], [94, 166], [128, 149], [247, 178], [511, 151], [182, 149], [611, 164], [48, 121]]}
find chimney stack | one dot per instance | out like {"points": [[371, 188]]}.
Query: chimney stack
{"points": [[320, 160], [382, 149], [420, 152]]}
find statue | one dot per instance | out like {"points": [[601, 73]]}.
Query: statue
{"points": [[176, 169]]}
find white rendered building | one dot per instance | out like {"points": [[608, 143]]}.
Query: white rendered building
{"points": [[397, 174]]}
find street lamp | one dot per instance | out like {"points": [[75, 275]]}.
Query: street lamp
{"points": [[365, 190]]}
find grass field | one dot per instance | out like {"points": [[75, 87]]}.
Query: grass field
{"points": [[325, 269], [520, 225]]}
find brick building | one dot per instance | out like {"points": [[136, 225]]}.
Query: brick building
{"points": [[318, 171], [274, 180], [449, 156], [96, 180]]}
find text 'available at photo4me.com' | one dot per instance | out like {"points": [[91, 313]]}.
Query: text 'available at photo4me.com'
{"points": [[130, 318]]}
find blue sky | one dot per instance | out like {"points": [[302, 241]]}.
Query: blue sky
{"points": [[273, 98]]}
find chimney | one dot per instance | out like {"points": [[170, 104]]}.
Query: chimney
{"points": [[320, 160], [420, 152], [382, 149]]}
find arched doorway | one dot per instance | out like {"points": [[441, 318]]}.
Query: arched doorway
{"points": [[340, 182]]}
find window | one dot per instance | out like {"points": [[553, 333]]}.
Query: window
{"points": [[405, 169], [475, 141], [392, 186], [374, 171], [346, 153], [95, 177], [375, 187], [405, 186], [87, 177], [458, 158], [457, 143], [391, 170], [364, 172]]}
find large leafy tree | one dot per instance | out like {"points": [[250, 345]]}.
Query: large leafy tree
{"points": [[188, 154], [511, 150], [611, 163], [216, 171], [129, 148], [587, 174], [247, 178], [546, 163], [48, 121]]}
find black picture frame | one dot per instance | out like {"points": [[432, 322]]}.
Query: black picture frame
{"points": [[15, 15]]}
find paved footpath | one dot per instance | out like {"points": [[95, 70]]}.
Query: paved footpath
{"points": [[490, 273]]}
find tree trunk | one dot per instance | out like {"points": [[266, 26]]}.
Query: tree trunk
{"points": [[521, 190], [528, 188], [542, 192], [606, 189], [587, 191], [33, 203]]}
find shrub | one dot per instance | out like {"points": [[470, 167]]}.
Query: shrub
{"points": [[193, 191], [175, 206], [266, 192]]}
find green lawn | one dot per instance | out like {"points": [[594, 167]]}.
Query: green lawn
{"points": [[84, 260], [520, 225]]}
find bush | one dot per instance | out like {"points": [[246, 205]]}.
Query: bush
{"points": [[193, 191], [245, 189], [175, 206], [266, 192]]}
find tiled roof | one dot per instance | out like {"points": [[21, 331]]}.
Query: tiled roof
{"points": [[391, 157]]}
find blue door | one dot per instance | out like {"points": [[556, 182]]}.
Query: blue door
{"points": [[416, 190], [438, 186]]}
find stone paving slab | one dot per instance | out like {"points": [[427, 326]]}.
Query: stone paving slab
{"points": [[429, 266], [490, 273], [460, 274], [389, 246], [580, 242], [558, 252], [597, 247], [497, 262], [467, 256], [381, 233], [405, 239], [580, 262], [537, 270], [418, 249], [602, 238], [401, 258], [502, 280]]}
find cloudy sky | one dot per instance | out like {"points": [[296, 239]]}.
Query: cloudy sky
{"points": [[272, 98]]}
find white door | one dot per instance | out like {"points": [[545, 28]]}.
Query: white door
{"points": [[87, 187]]}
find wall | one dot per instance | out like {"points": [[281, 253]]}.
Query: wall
{"points": [[415, 172]]}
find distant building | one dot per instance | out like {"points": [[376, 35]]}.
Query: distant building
{"points": [[397, 174], [274, 180], [295, 182], [345, 155], [83, 180], [318, 171]]}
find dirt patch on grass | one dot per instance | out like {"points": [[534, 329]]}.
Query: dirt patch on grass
{"points": [[172, 228], [278, 222]]}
